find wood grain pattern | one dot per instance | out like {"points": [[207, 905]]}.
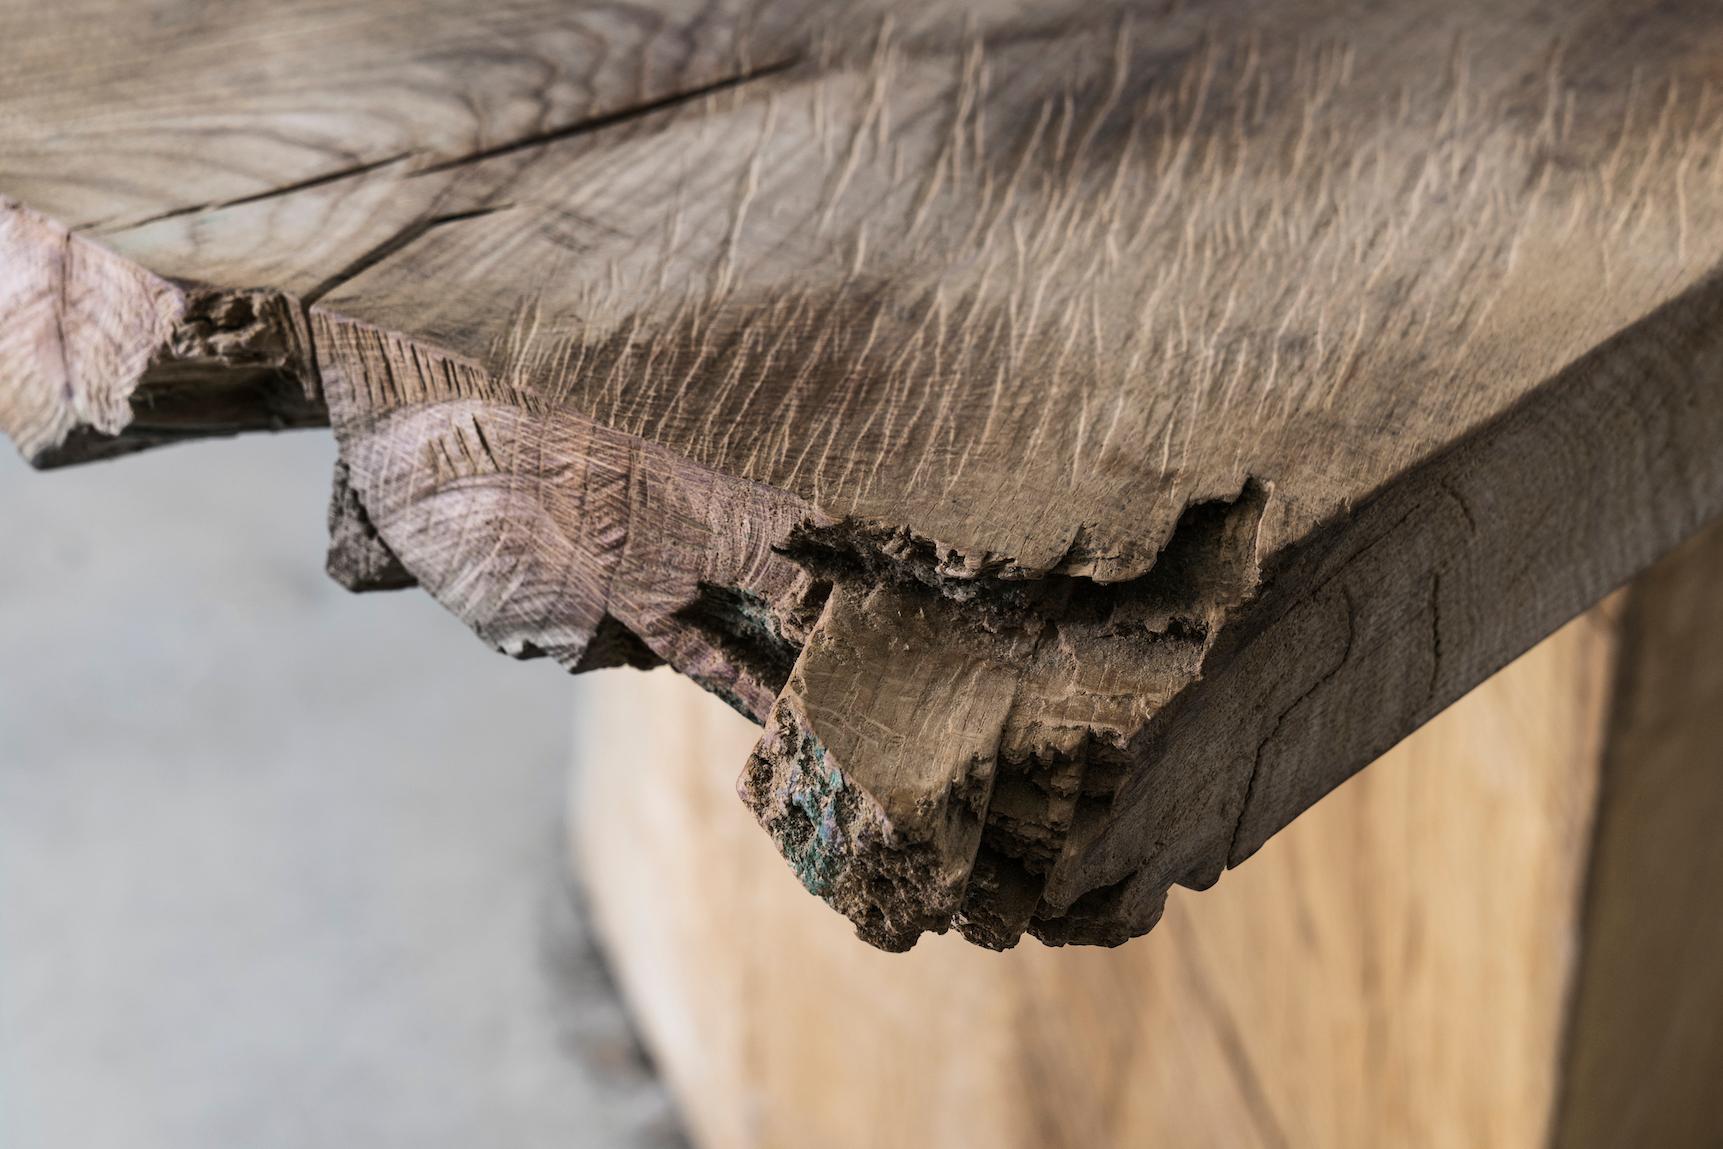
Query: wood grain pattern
{"points": [[1501, 934], [1081, 434]]}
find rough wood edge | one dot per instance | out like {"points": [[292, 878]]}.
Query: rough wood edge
{"points": [[1286, 680], [1349, 644], [101, 357], [1381, 621], [1319, 659]]}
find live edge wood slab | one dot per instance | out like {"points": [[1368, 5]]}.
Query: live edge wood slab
{"points": [[1081, 433]]}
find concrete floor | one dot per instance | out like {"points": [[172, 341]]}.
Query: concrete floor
{"points": [[279, 866]]}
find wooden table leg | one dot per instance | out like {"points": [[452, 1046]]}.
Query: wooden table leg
{"points": [[1505, 933]]}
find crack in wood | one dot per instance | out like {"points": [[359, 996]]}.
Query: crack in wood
{"points": [[1244, 806], [325, 179], [609, 119], [393, 245]]}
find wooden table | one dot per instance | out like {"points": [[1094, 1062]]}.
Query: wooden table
{"points": [[1080, 434]]}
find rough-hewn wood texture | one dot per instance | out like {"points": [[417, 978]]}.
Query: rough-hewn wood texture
{"points": [[1502, 934], [1080, 433]]}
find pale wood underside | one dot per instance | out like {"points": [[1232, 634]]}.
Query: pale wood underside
{"points": [[1394, 969], [1081, 433]]}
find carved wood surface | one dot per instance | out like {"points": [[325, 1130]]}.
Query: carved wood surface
{"points": [[1082, 434]]}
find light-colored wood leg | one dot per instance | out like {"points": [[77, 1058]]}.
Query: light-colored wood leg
{"points": [[1644, 1064], [1499, 935]]}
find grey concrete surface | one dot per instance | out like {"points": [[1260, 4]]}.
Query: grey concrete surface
{"points": [[279, 866]]}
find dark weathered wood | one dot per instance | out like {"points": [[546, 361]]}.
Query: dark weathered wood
{"points": [[1081, 433]]}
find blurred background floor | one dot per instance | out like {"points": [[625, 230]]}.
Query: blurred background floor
{"points": [[279, 866]]}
